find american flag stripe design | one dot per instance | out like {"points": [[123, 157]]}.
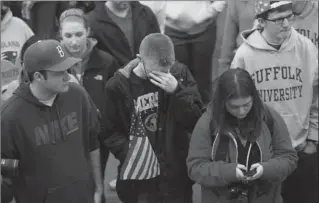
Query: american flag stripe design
{"points": [[141, 162], [139, 156], [135, 148]]}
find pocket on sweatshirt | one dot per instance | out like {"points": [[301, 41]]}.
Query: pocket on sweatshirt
{"points": [[78, 191], [297, 130]]}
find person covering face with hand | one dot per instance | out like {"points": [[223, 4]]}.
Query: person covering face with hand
{"points": [[165, 96], [240, 150]]}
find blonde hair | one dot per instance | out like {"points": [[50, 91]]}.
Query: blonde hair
{"points": [[74, 14]]}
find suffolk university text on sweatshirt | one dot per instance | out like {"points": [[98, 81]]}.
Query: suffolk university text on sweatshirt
{"points": [[285, 79], [52, 144], [240, 17]]}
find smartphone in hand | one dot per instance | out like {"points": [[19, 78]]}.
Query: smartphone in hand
{"points": [[250, 173]]}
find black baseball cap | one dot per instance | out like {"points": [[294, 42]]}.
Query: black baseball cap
{"points": [[47, 55]]}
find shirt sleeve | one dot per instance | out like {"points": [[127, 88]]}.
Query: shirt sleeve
{"points": [[314, 117], [93, 122], [9, 148], [238, 61]]}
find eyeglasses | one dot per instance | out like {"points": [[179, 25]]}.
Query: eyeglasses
{"points": [[280, 21]]}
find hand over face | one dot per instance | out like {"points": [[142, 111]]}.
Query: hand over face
{"points": [[165, 81]]}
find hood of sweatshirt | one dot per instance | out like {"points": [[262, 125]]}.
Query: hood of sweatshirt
{"points": [[284, 78], [24, 92], [91, 42], [6, 20], [254, 39], [126, 70], [53, 142]]}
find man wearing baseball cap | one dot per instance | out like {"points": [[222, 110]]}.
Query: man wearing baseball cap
{"points": [[51, 127], [284, 66]]}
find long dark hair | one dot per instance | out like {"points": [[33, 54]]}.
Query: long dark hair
{"points": [[236, 83]]}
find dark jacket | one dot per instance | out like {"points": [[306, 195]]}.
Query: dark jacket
{"points": [[278, 158], [111, 38], [100, 64], [52, 144], [99, 67], [178, 114]]}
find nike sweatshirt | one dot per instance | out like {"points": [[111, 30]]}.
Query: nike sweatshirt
{"points": [[52, 144], [285, 79]]}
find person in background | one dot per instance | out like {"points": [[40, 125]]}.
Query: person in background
{"points": [[97, 66], [14, 33], [58, 156], [306, 22], [191, 26], [47, 27], [151, 107], [15, 7], [284, 67], [240, 17], [7, 90], [240, 148], [120, 26], [159, 9]]}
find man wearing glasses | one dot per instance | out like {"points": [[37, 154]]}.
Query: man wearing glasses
{"points": [[284, 66], [165, 96]]}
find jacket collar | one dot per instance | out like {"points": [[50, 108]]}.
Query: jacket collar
{"points": [[97, 60], [101, 13]]}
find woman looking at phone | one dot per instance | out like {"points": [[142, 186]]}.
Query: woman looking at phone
{"points": [[240, 149]]}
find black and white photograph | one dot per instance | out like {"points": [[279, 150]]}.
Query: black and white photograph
{"points": [[159, 101]]}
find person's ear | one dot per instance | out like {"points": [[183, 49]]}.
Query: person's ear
{"points": [[38, 76], [261, 23], [138, 56]]}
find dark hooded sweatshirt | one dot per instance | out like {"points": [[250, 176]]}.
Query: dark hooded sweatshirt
{"points": [[52, 145], [177, 115]]}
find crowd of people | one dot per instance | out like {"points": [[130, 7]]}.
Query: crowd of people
{"points": [[82, 79]]}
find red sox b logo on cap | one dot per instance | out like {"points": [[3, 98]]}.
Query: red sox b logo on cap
{"points": [[60, 51]]}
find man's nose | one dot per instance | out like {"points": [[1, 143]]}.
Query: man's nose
{"points": [[285, 23]]}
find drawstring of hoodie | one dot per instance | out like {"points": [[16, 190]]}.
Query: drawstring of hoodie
{"points": [[51, 130], [59, 124]]}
